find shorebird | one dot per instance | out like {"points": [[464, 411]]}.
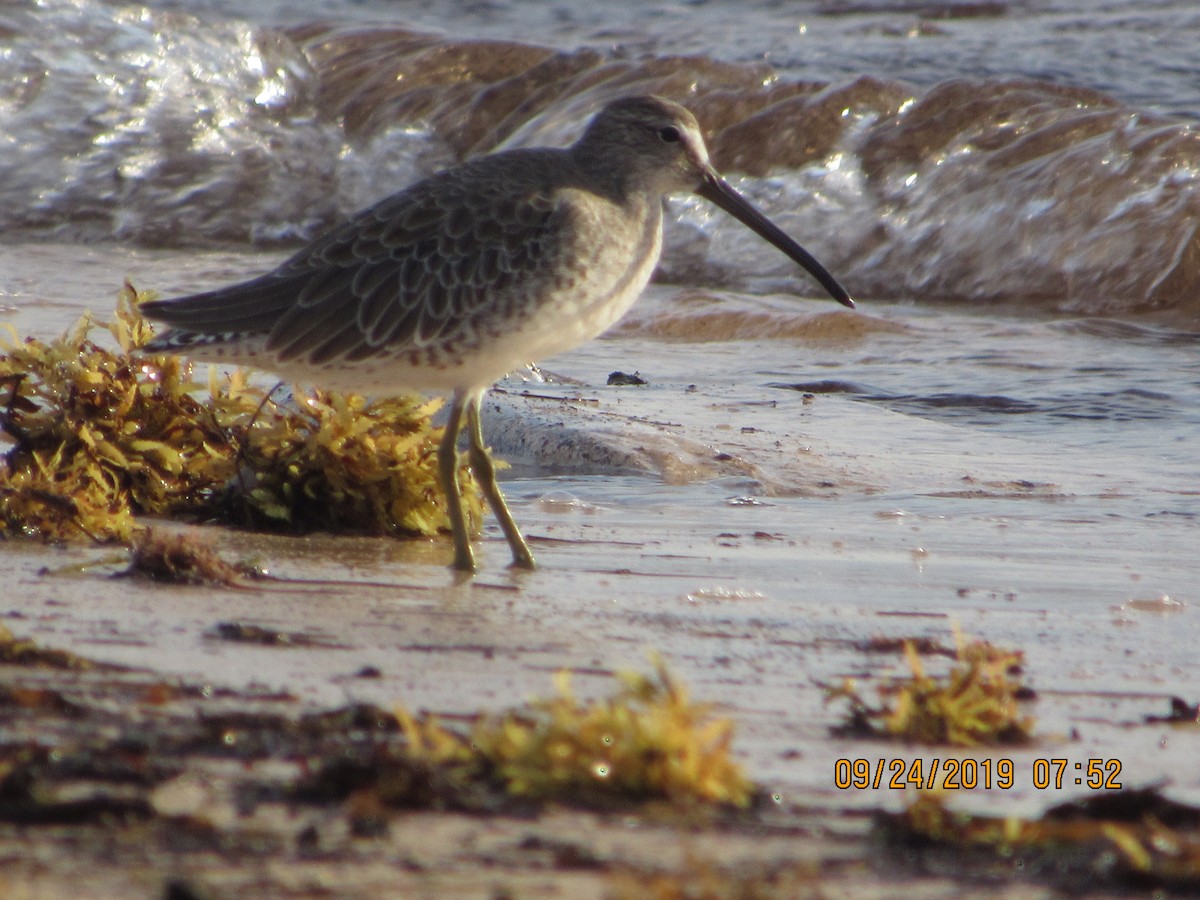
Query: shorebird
{"points": [[467, 275]]}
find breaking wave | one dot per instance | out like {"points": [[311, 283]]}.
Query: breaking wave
{"points": [[161, 128]]}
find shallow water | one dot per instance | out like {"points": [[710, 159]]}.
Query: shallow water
{"points": [[1004, 435]]}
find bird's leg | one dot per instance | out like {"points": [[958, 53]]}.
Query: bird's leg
{"points": [[485, 473], [464, 559]]}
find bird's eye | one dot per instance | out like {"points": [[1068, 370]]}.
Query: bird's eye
{"points": [[669, 134]]}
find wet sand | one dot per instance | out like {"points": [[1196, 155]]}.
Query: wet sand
{"points": [[757, 539], [755, 596]]}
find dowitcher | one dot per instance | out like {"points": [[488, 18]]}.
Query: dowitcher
{"points": [[472, 273]]}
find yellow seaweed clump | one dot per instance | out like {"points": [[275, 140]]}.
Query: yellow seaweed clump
{"points": [[15, 651], [1122, 838], [649, 741], [976, 703], [338, 463], [101, 436]]}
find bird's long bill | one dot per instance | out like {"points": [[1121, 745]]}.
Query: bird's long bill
{"points": [[717, 190]]}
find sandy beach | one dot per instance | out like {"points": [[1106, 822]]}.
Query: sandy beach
{"points": [[759, 539]]}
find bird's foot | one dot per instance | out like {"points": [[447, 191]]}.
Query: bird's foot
{"points": [[523, 560], [464, 560]]}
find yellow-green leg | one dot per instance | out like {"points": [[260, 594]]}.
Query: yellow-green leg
{"points": [[464, 559], [485, 474]]}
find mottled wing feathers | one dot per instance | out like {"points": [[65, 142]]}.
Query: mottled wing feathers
{"points": [[408, 272]]}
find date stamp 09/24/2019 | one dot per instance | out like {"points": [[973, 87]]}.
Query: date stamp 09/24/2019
{"points": [[952, 774]]}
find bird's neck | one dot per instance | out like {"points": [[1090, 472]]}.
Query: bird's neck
{"points": [[604, 177]]}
